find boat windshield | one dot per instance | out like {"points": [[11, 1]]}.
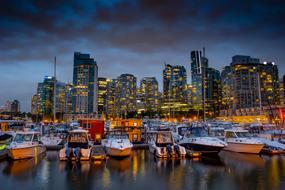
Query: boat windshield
{"points": [[243, 134], [78, 138], [23, 137], [197, 132], [118, 136], [164, 138]]}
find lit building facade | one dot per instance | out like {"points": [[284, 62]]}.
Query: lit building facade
{"points": [[174, 84], [149, 94], [111, 109], [102, 92], [85, 80], [126, 86], [15, 106], [248, 83]]}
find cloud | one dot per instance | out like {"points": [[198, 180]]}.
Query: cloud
{"points": [[135, 36]]}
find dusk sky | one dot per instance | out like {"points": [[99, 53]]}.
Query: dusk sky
{"points": [[134, 37]]}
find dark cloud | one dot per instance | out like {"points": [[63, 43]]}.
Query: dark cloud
{"points": [[126, 35]]}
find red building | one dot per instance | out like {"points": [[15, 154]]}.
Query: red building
{"points": [[95, 128]]}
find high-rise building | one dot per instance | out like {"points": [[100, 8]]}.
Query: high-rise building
{"points": [[213, 92], [149, 93], [199, 64], [15, 106], [174, 84], [43, 100], [85, 80], [126, 94], [248, 83], [206, 85], [68, 98], [102, 90], [111, 98]]}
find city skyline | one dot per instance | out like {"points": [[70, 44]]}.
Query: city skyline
{"points": [[121, 43]]}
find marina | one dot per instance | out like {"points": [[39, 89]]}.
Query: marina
{"points": [[143, 171]]}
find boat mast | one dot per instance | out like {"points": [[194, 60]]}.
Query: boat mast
{"points": [[54, 91]]}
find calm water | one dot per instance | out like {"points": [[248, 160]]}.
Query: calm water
{"points": [[143, 171]]}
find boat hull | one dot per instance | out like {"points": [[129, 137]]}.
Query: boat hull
{"points": [[85, 155], [26, 152], [115, 152], [204, 149], [244, 148]]}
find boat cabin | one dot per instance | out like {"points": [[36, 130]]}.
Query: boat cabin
{"points": [[237, 134], [27, 137], [78, 138]]}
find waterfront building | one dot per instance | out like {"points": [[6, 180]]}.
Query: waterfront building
{"points": [[149, 94], [85, 80], [213, 92], [126, 94], [174, 84], [111, 98], [43, 100], [198, 65], [206, 85], [102, 91], [282, 91], [68, 98], [15, 106], [248, 83]]}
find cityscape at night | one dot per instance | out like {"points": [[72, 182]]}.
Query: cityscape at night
{"points": [[113, 94]]}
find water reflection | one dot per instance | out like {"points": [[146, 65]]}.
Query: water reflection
{"points": [[143, 171], [23, 167]]}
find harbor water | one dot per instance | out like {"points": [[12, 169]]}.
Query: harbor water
{"points": [[142, 171]]}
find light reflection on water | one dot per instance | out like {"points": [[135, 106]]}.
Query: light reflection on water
{"points": [[143, 171]]}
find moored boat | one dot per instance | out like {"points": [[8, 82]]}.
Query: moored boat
{"points": [[78, 146], [25, 145], [197, 139], [162, 145], [118, 144], [241, 141]]}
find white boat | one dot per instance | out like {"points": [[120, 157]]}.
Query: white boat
{"points": [[78, 146], [117, 144], [52, 141], [26, 145], [161, 144], [241, 141], [197, 139]]}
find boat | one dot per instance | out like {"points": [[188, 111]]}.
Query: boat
{"points": [[117, 144], [239, 140], [52, 142], [78, 146], [197, 139], [162, 145], [26, 145], [5, 140]]}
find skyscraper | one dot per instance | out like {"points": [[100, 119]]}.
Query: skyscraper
{"points": [[15, 106], [174, 84], [199, 64], [149, 93], [102, 91], [250, 83], [126, 93], [111, 109], [85, 79]]}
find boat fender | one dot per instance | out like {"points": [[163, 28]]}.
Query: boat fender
{"points": [[68, 152], [77, 152]]}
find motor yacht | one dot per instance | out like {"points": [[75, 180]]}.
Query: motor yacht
{"points": [[197, 139], [26, 145], [78, 146], [162, 145], [239, 140], [52, 141], [117, 144]]}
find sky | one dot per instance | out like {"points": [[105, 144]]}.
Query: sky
{"points": [[136, 36]]}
